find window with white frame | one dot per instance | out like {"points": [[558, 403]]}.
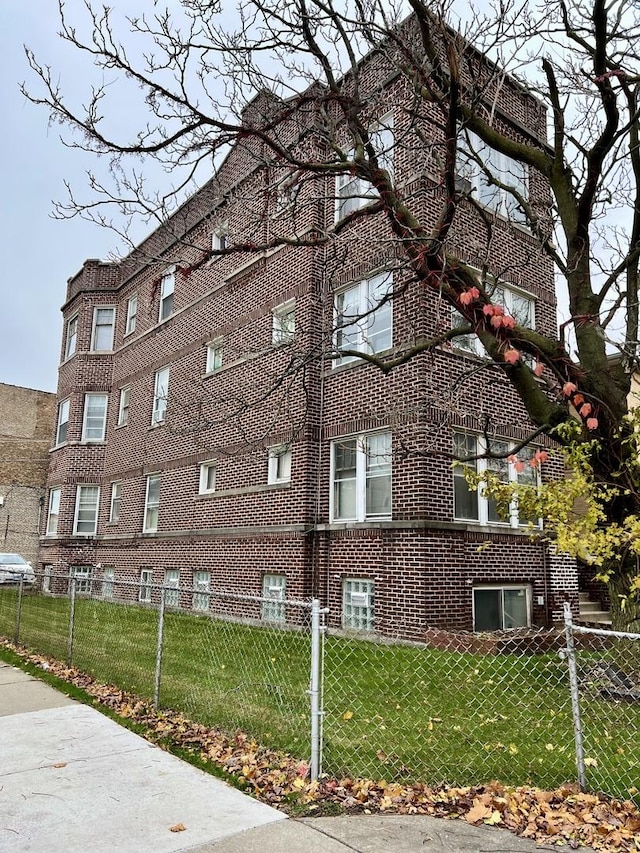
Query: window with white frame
{"points": [[518, 305], [353, 192], [94, 420], [172, 587], [85, 521], [82, 575], [167, 288], [475, 160], [108, 578], [207, 477], [63, 422], [151, 504], [220, 237], [114, 508], [283, 327], [146, 585], [54, 511], [286, 194], [498, 608], [214, 356], [71, 337], [273, 589], [103, 328], [361, 477], [123, 405], [357, 604], [160, 395], [132, 314], [363, 317], [201, 586], [475, 505], [47, 572], [279, 465]]}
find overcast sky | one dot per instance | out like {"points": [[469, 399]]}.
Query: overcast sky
{"points": [[39, 253]]}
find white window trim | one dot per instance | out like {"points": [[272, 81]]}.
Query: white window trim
{"points": [[171, 584], [502, 587], [148, 506], [67, 351], [287, 190], [275, 454], [63, 405], [483, 465], [83, 576], [281, 332], [96, 309], [132, 314], [160, 401], [85, 414], [366, 602], [219, 238], [364, 316], [76, 512], [108, 581], [363, 193], [116, 498], [201, 600], [360, 480], [273, 594], [471, 342], [145, 586], [205, 467], [167, 288], [56, 491], [123, 405], [215, 352]]}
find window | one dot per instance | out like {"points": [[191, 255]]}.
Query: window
{"points": [[132, 314], [54, 511], [94, 420], [284, 323], [123, 405], [151, 504], [172, 587], [85, 520], [220, 238], [361, 478], [82, 575], [160, 394], [286, 194], [279, 465], [357, 605], [214, 356], [103, 326], [472, 152], [363, 317], [167, 287], [520, 306], [207, 478], [146, 581], [201, 583], [273, 587], [63, 422], [474, 505], [498, 608], [108, 575], [47, 572], [353, 192], [114, 509], [71, 337]]}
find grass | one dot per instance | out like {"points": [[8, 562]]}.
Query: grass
{"points": [[391, 711]]}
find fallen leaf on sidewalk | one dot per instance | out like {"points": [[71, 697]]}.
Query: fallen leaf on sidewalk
{"points": [[178, 827], [60, 764]]}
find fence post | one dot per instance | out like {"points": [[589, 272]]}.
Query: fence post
{"points": [[72, 618], [314, 691], [575, 696], [159, 641], [19, 611]]}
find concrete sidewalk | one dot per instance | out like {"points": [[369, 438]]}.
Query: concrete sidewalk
{"points": [[73, 780]]}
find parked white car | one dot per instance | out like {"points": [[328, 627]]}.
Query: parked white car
{"points": [[13, 567]]}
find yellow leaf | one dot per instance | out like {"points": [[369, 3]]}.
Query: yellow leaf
{"points": [[495, 818], [591, 762], [549, 747], [513, 749], [347, 715], [298, 783]]}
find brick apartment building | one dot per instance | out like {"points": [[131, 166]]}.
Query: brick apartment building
{"points": [[210, 434], [27, 419]]}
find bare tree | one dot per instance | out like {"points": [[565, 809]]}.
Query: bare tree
{"points": [[214, 79]]}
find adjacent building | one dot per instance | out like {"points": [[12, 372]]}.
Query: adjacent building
{"points": [[213, 432]]}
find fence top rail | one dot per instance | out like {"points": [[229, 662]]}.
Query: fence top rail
{"points": [[603, 632]]}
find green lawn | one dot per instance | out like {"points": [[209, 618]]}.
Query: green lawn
{"points": [[391, 710]]}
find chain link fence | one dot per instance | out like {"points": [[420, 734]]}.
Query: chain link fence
{"points": [[521, 706]]}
